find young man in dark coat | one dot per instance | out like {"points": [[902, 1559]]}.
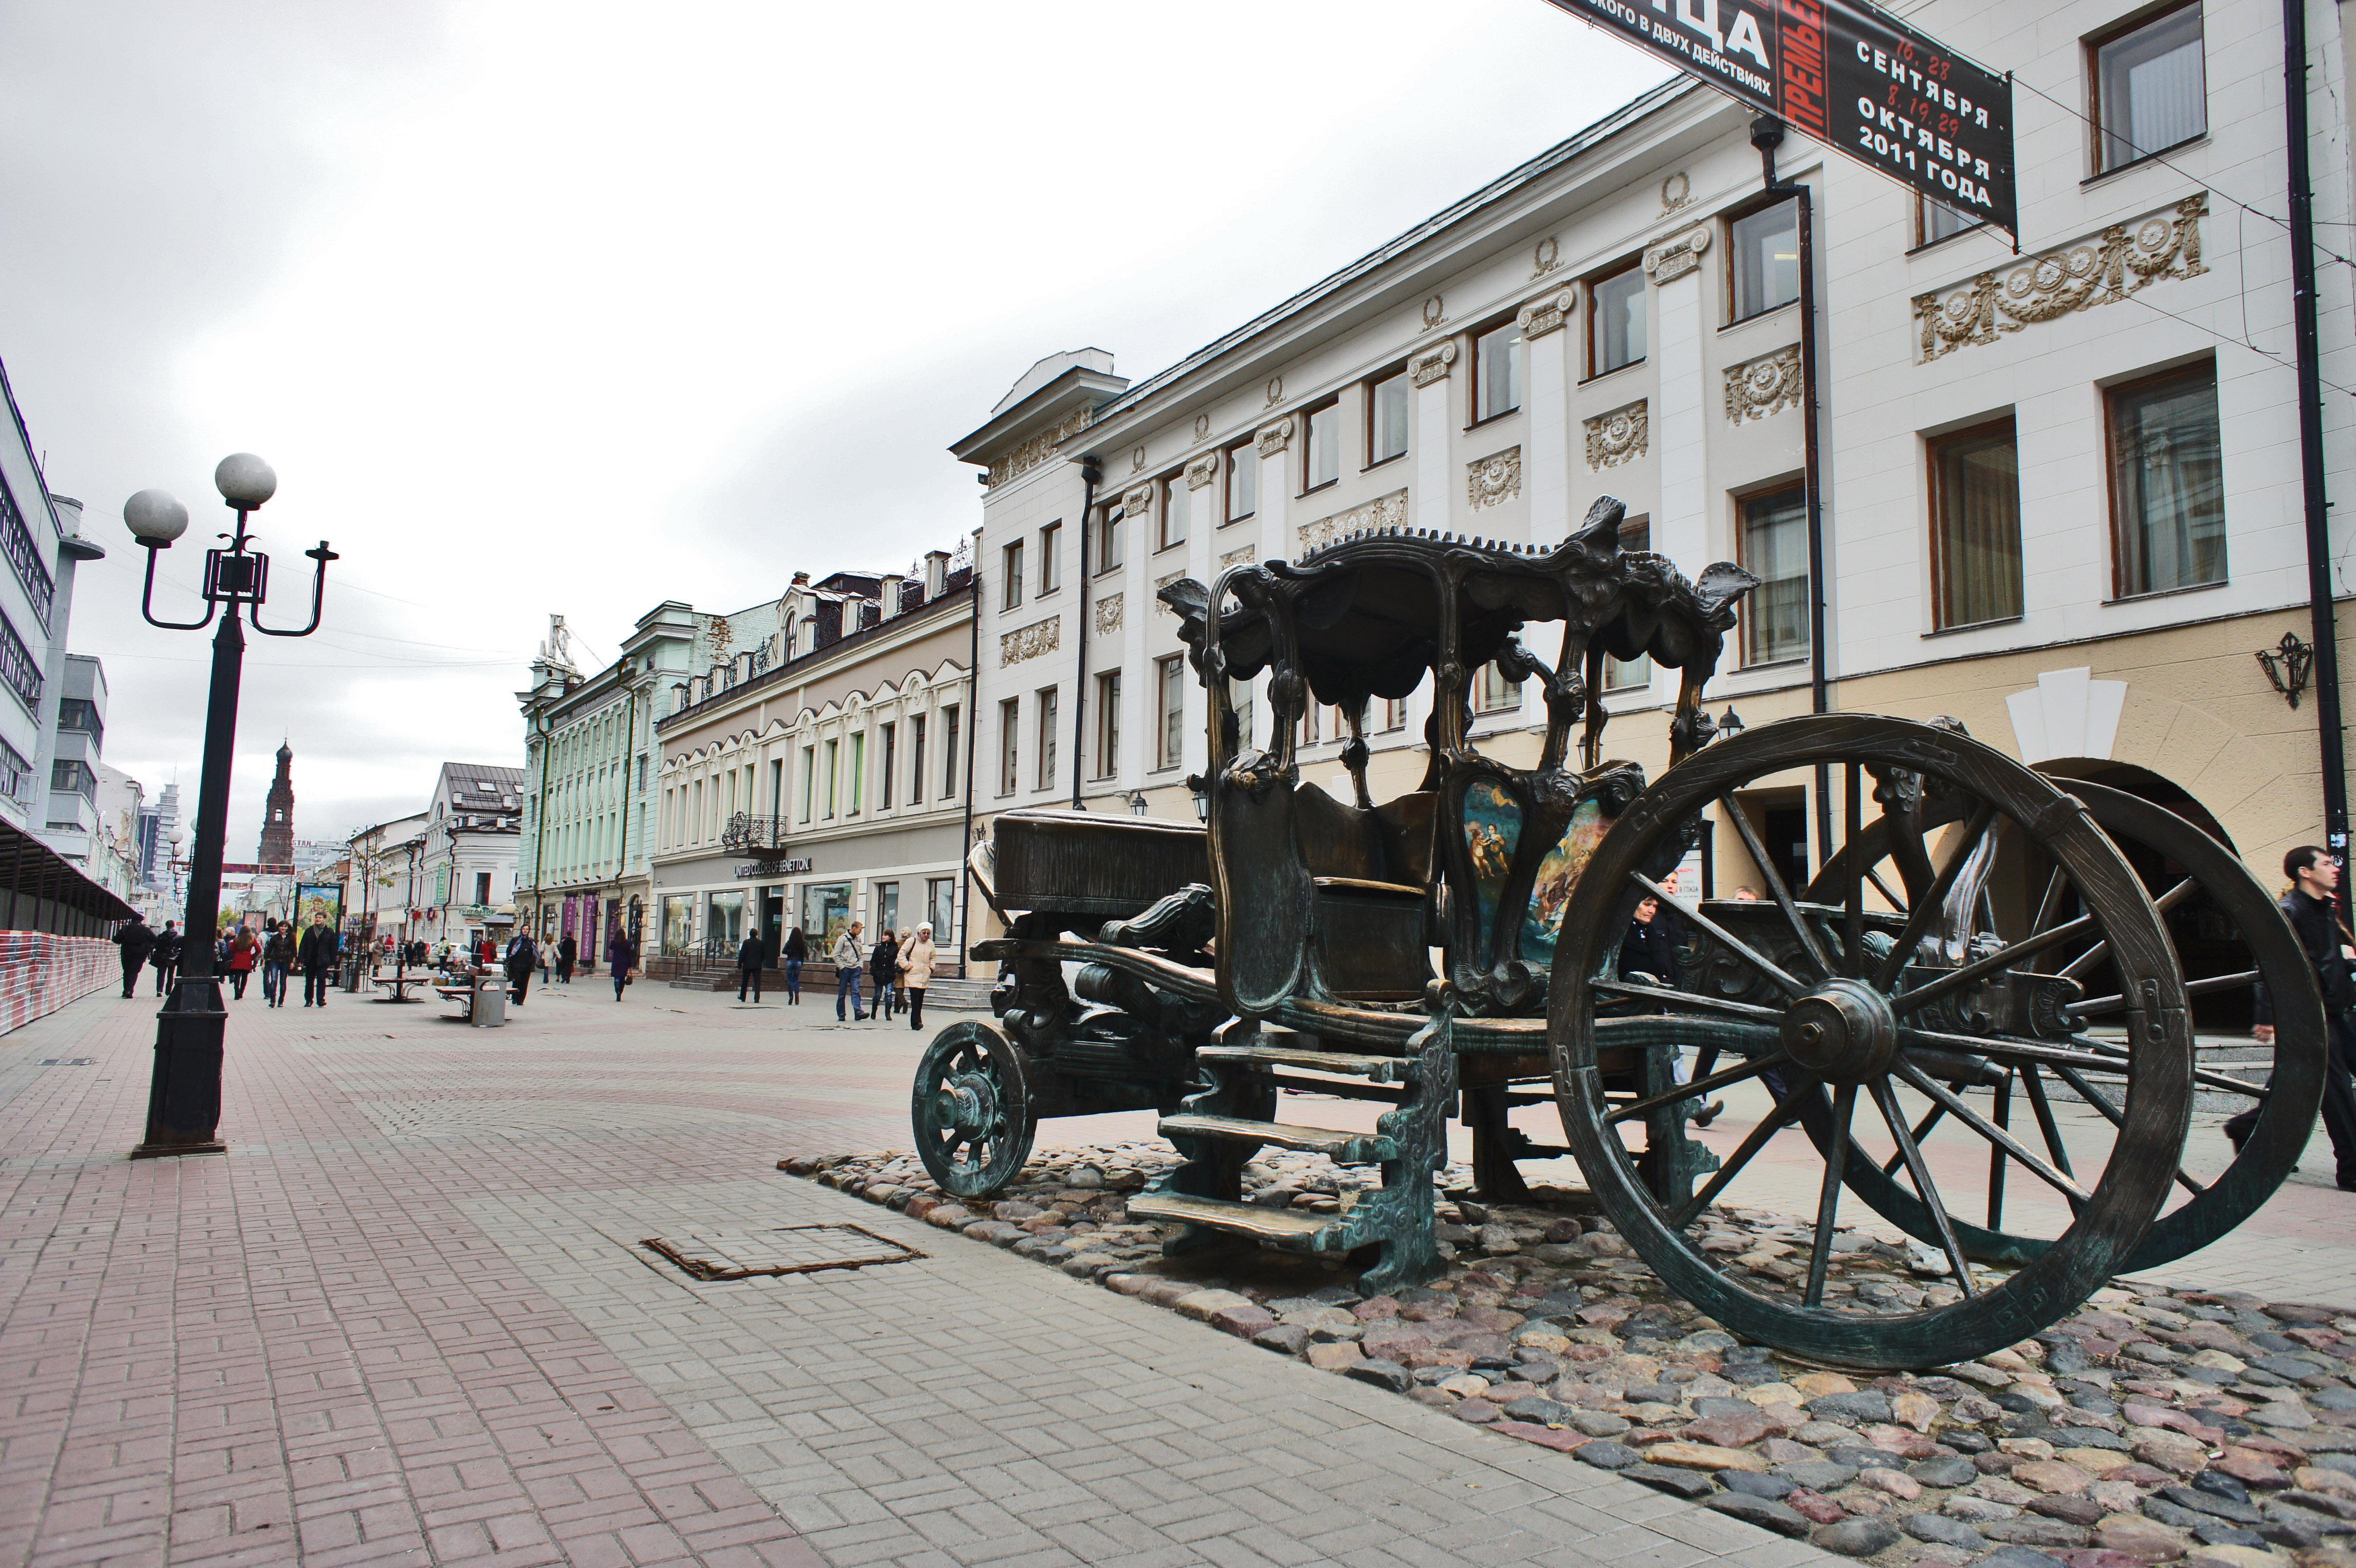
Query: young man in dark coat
{"points": [[165, 956], [2309, 907], [317, 953], [522, 958], [568, 952], [134, 938], [750, 954]]}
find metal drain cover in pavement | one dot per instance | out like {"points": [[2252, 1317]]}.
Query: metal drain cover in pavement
{"points": [[66, 1061], [793, 1250]]}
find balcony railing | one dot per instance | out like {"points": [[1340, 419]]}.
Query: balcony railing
{"points": [[748, 835]]}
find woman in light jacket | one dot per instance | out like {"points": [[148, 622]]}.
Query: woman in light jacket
{"points": [[916, 962]]}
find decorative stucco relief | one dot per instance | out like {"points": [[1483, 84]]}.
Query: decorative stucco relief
{"points": [[1435, 311], [1432, 364], [1109, 613], [1493, 480], [2099, 271], [1138, 502], [1275, 439], [1237, 557], [1383, 511], [1541, 316], [1675, 191], [1612, 438], [1766, 385], [1547, 257], [1674, 258], [1202, 470], [1201, 427], [1160, 584], [1021, 459], [1030, 641]]}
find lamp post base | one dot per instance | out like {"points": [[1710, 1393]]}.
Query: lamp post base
{"points": [[184, 1094]]}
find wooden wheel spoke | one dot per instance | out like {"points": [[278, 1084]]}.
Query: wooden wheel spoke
{"points": [[2002, 959], [2099, 1007], [1662, 993], [1809, 943], [2033, 1083], [2085, 961], [1922, 1131], [1749, 954], [2049, 904], [1853, 902], [1918, 1169], [1697, 1087], [2115, 1117], [2010, 1051], [1820, 1249], [2113, 1059], [1992, 1132], [1926, 908], [1774, 1122], [1897, 901]]}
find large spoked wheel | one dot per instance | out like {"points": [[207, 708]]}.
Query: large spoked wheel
{"points": [[2186, 873], [1862, 1003], [971, 1109]]}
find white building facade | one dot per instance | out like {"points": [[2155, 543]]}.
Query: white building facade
{"points": [[40, 540], [2061, 493], [467, 869]]}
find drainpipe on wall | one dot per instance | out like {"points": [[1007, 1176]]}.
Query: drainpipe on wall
{"points": [[1091, 475], [1767, 135], [972, 722], [2323, 626]]}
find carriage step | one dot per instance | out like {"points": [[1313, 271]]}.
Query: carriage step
{"points": [[1238, 1218], [1342, 1147], [1379, 1069]]}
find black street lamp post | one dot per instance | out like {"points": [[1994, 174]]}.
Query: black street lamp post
{"points": [[184, 1096]]}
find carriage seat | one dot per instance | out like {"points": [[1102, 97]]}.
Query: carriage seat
{"points": [[1385, 852]]}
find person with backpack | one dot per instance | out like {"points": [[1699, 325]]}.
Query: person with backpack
{"points": [[137, 939], [2308, 906]]}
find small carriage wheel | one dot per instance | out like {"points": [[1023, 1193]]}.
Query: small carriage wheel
{"points": [[971, 1109], [2287, 1098], [1821, 1005]]}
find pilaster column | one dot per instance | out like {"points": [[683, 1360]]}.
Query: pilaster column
{"points": [[1275, 447], [1546, 466], [1434, 436], [1681, 530]]}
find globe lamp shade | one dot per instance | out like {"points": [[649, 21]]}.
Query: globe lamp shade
{"points": [[245, 480], [154, 518]]}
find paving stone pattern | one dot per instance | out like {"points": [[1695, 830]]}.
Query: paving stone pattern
{"points": [[409, 1318]]}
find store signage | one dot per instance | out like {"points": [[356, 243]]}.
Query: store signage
{"points": [[1850, 75], [799, 862]]}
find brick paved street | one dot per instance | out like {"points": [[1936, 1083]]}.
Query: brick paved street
{"points": [[407, 1320]]}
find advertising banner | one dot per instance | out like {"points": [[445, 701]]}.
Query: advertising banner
{"points": [[319, 898], [1852, 76]]}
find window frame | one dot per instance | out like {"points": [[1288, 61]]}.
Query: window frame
{"points": [[1596, 368], [1112, 550], [1331, 408], [1171, 484], [1923, 237], [1743, 504], [1170, 717], [1049, 716], [1629, 526], [1010, 746], [1248, 451], [1741, 214], [1108, 737], [1935, 495], [1477, 335], [1372, 390], [2112, 393], [1011, 568], [2093, 45], [1051, 545], [951, 712]]}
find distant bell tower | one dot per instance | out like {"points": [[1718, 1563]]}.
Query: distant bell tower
{"points": [[278, 818]]}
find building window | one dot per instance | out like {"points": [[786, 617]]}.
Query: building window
{"points": [[940, 909], [1013, 575], [1935, 221], [858, 772], [1764, 253], [948, 753], [1109, 540], [834, 775], [1010, 718], [890, 759], [810, 779], [1169, 711], [1497, 371], [25, 554], [1107, 724], [1047, 705], [2150, 88], [2167, 483], [1177, 502], [1615, 321], [16, 667], [1495, 692], [1322, 456], [1975, 525], [1774, 546], [73, 776], [1627, 675], [1386, 419], [1051, 549], [1242, 699], [915, 759], [80, 714], [1243, 482], [482, 888]]}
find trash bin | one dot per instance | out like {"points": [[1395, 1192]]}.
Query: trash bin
{"points": [[490, 1009]]}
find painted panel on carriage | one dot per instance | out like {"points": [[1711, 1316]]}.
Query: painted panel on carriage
{"points": [[1493, 832], [1558, 874]]}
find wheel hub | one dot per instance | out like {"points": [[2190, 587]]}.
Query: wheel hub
{"points": [[1842, 1032], [968, 1103]]}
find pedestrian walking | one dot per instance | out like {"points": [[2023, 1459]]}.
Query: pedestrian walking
{"points": [[522, 958], [547, 962], [245, 952], [2315, 879], [277, 961], [796, 950], [317, 953], [567, 953], [883, 964], [917, 961], [137, 939], [620, 954], [849, 955], [165, 956], [752, 954]]}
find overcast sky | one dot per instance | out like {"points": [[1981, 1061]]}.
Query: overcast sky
{"points": [[575, 308]]}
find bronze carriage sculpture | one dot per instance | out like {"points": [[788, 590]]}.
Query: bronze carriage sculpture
{"points": [[1982, 938]]}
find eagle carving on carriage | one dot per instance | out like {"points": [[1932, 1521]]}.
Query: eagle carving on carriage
{"points": [[1985, 953]]}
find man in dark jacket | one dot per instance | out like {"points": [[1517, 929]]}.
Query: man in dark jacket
{"points": [[568, 953], [2314, 878], [522, 958], [165, 956], [750, 954], [317, 954], [134, 938]]}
